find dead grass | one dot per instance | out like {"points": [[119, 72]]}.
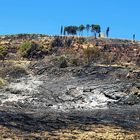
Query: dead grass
{"points": [[2, 82], [84, 132]]}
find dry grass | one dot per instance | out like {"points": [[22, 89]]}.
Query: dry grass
{"points": [[84, 132], [2, 82]]}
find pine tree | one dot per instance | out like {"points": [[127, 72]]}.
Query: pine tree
{"points": [[61, 30], [107, 32]]}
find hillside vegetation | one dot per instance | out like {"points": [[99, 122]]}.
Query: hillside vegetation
{"points": [[76, 50]]}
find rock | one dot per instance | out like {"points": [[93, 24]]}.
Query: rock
{"points": [[137, 85], [129, 100], [119, 95], [87, 89], [134, 90], [103, 71], [70, 87], [16, 91]]}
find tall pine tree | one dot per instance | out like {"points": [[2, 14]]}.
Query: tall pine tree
{"points": [[61, 30]]}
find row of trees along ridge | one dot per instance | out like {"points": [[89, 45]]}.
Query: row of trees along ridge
{"points": [[74, 30]]}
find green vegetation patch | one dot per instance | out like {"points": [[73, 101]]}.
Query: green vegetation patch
{"points": [[2, 82], [31, 49], [3, 52]]}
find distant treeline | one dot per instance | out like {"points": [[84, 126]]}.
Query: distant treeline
{"points": [[74, 30]]}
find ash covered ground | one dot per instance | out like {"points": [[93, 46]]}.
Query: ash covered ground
{"points": [[50, 98]]}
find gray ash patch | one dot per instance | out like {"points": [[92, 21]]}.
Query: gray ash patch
{"points": [[69, 92]]}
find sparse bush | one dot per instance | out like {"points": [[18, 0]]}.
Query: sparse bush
{"points": [[91, 54], [108, 57]]}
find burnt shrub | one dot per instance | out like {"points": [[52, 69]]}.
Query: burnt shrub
{"points": [[17, 72], [138, 61], [63, 62], [61, 42], [80, 40], [57, 42]]}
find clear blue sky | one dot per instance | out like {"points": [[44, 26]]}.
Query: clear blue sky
{"points": [[46, 16]]}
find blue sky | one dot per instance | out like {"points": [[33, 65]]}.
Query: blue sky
{"points": [[47, 16]]}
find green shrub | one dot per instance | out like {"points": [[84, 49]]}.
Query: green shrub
{"points": [[3, 52], [2, 82], [31, 49], [25, 46]]}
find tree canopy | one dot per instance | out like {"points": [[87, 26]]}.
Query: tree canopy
{"points": [[74, 30]]}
